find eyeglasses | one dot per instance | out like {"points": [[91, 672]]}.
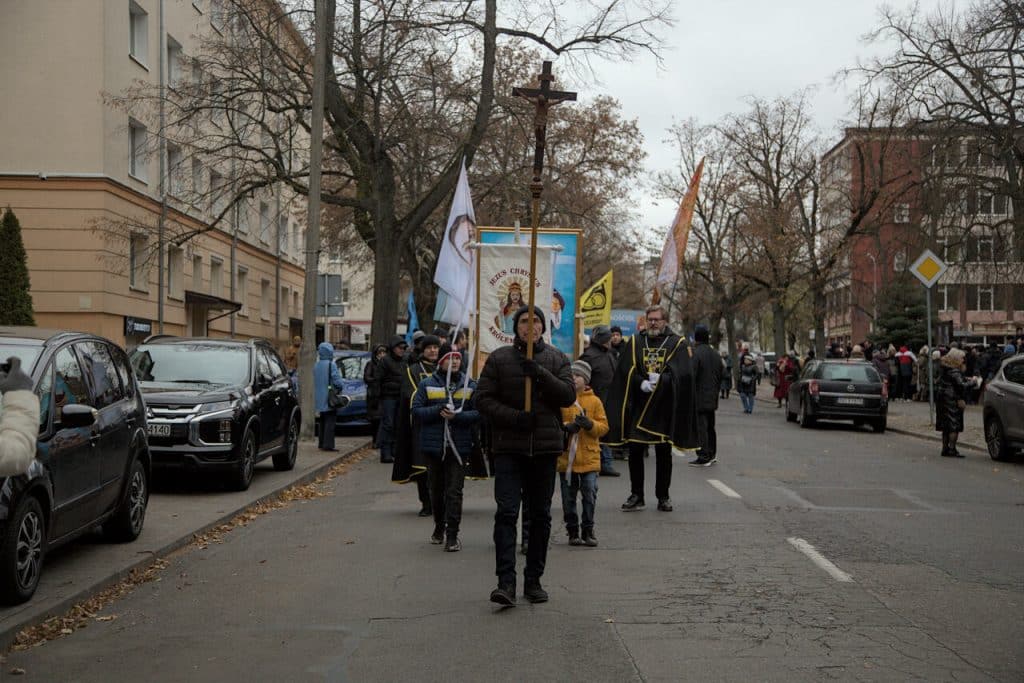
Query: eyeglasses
{"points": [[655, 320]]}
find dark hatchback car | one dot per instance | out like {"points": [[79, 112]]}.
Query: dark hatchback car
{"points": [[351, 365], [1003, 409], [839, 390], [217, 405], [92, 462]]}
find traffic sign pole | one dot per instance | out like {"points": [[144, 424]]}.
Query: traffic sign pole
{"points": [[931, 388], [928, 268]]}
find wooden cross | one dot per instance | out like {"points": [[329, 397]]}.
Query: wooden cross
{"points": [[543, 98]]}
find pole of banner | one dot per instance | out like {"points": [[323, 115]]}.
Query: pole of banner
{"points": [[543, 98]]}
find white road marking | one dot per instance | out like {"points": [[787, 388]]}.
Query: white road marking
{"points": [[820, 560], [723, 488]]}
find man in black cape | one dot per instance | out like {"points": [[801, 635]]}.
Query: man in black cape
{"points": [[410, 463], [651, 402]]}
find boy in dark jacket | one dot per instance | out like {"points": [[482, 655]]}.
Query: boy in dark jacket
{"points": [[526, 446], [443, 409]]}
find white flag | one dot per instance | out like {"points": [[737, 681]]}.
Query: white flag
{"points": [[455, 273]]}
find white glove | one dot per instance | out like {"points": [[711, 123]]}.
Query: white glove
{"points": [[646, 386]]}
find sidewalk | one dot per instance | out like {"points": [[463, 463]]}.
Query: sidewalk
{"points": [[84, 567], [912, 418]]}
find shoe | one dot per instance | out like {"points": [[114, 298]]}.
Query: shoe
{"points": [[534, 593], [426, 512], [696, 462], [387, 459], [504, 595], [589, 539], [437, 538], [665, 504], [633, 503], [574, 538], [610, 472], [453, 545], [705, 462]]}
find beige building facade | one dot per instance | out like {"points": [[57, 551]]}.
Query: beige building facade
{"points": [[85, 181]]}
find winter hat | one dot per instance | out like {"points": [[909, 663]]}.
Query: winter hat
{"points": [[417, 335], [446, 353], [600, 335], [615, 328], [429, 340], [537, 313], [582, 368], [701, 333], [440, 332], [397, 340]]}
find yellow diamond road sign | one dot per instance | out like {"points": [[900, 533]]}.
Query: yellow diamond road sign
{"points": [[928, 268]]}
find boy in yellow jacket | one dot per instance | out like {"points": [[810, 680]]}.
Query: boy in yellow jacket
{"points": [[584, 423]]}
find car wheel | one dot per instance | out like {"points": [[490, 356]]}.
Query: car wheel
{"points": [[126, 524], [241, 478], [879, 425], [22, 552], [995, 439], [285, 460], [806, 421]]}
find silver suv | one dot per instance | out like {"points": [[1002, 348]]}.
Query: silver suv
{"points": [[1003, 409]]}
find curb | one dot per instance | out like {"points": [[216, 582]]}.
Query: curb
{"points": [[907, 432], [9, 633]]}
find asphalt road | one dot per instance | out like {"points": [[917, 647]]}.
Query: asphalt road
{"points": [[917, 574]]}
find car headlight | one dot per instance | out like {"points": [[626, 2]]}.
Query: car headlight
{"points": [[218, 406]]}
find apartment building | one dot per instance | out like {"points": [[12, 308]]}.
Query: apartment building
{"points": [[981, 296], [94, 188]]}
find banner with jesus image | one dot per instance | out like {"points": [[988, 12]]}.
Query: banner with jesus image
{"points": [[504, 288]]}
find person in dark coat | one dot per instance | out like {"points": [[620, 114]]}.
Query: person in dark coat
{"points": [[410, 463], [526, 446], [371, 378], [950, 401], [707, 373], [602, 363], [444, 410], [391, 376], [652, 403], [747, 385], [725, 377]]}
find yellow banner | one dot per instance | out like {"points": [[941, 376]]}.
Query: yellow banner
{"points": [[596, 302]]}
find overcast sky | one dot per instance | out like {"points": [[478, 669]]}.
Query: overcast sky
{"points": [[720, 52]]}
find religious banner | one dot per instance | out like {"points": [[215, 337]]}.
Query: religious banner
{"points": [[596, 302], [560, 308], [504, 282]]}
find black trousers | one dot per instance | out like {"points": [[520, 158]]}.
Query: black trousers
{"points": [[662, 471], [447, 478], [423, 489], [707, 434], [328, 419], [529, 480]]}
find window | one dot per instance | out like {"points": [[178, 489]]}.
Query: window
{"points": [[1018, 298], [138, 33], [991, 204], [277, 367], [244, 209], [1014, 372], [282, 234], [948, 249], [297, 304], [217, 14], [124, 371], [137, 272], [985, 248], [174, 71], [901, 213], [69, 386], [45, 393], [218, 193], [264, 223], [216, 276], [197, 273], [197, 180], [242, 290], [986, 298], [137, 150], [282, 306], [175, 273], [264, 370], [175, 170], [265, 299], [344, 294], [944, 298], [100, 367]]}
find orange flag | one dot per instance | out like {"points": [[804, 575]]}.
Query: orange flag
{"points": [[675, 243]]}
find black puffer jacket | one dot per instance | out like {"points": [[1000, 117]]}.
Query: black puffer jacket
{"points": [[391, 374], [602, 369], [707, 371], [500, 392]]}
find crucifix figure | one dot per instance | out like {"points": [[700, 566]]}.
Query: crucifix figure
{"points": [[543, 98]]}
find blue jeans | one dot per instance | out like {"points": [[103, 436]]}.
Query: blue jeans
{"points": [[607, 462], [748, 402], [586, 484], [386, 435]]}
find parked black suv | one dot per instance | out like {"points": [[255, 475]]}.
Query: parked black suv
{"points": [[217, 405], [92, 463]]}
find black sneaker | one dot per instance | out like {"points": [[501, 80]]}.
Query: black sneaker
{"points": [[589, 539], [504, 595], [574, 538], [426, 512], [437, 538], [453, 545], [534, 593], [696, 462], [610, 472], [633, 503], [665, 505]]}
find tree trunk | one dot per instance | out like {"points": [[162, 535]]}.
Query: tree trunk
{"points": [[730, 336], [818, 311], [779, 327], [386, 286]]}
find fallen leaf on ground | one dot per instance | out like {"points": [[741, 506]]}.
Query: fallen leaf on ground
{"points": [[609, 621], [109, 617], [17, 671]]}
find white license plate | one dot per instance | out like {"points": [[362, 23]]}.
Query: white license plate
{"points": [[159, 430], [850, 401]]}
